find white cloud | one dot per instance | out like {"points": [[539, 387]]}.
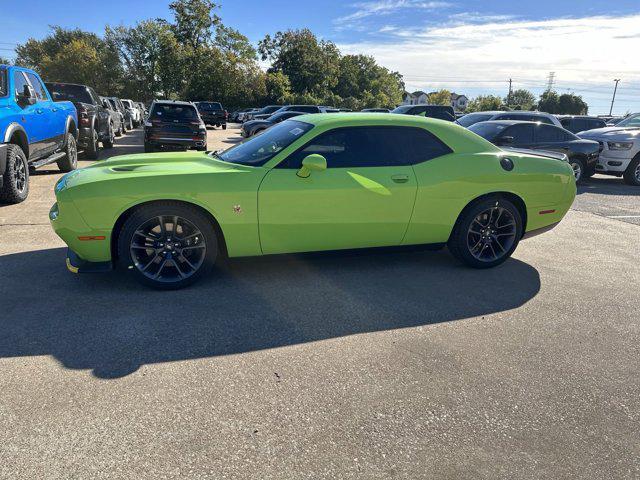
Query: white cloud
{"points": [[584, 52], [386, 7]]}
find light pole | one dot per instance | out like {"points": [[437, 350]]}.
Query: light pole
{"points": [[614, 95]]}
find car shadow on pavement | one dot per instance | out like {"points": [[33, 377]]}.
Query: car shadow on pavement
{"points": [[111, 325]]}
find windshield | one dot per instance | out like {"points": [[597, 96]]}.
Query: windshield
{"points": [[174, 112], [487, 130], [209, 106], [632, 121], [70, 93], [269, 109], [472, 118], [261, 148]]}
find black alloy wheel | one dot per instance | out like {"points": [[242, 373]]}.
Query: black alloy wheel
{"points": [[168, 245]]}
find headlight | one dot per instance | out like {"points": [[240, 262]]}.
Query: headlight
{"points": [[54, 212], [620, 145]]}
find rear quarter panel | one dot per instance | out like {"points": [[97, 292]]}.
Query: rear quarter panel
{"points": [[446, 185]]}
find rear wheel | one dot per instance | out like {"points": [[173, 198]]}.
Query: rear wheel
{"points": [[632, 173], [70, 160], [92, 152], [15, 187], [224, 126], [487, 233], [168, 245]]}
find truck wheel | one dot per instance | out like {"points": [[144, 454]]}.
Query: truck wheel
{"points": [[632, 173], [111, 139], [92, 152], [70, 160], [15, 188], [148, 148], [224, 126]]}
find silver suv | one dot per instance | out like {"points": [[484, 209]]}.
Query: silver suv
{"points": [[619, 149]]}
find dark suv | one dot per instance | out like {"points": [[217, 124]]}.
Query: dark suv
{"points": [[442, 112], [95, 125], [581, 123], [174, 125], [213, 114]]}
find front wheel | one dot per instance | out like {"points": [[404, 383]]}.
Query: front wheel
{"points": [[110, 139], [168, 245], [70, 160], [224, 126], [578, 169], [15, 188], [632, 173], [487, 233], [92, 152]]}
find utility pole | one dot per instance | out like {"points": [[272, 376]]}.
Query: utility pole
{"points": [[614, 95], [550, 81], [510, 91]]}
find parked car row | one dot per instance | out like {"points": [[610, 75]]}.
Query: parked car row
{"points": [[44, 123]]}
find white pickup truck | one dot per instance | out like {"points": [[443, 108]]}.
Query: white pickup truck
{"points": [[619, 149]]}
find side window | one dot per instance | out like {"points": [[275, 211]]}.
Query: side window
{"points": [[41, 93], [543, 120], [309, 109], [94, 96], [371, 147], [19, 82], [522, 134], [548, 133]]}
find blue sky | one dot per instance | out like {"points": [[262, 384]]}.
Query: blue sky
{"points": [[470, 46]]}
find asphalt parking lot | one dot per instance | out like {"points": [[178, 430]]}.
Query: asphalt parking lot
{"points": [[403, 365]]}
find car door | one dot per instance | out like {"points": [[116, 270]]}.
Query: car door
{"points": [[549, 137], [363, 199], [34, 120], [521, 135], [49, 116]]}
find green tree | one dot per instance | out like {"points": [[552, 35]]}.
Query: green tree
{"points": [[441, 97], [570, 104], [73, 56], [311, 65], [278, 88], [484, 103], [521, 98], [153, 59], [5, 61], [548, 102], [194, 21]]}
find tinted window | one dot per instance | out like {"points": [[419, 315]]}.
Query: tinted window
{"points": [[3, 83], [259, 149], [549, 133], [472, 118], [209, 106], [41, 93], [371, 147], [278, 117], [487, 130], [19, 82], [522, 134], [305, 108], [71, 93], [595, 123], [113, 103], [168, 112]]}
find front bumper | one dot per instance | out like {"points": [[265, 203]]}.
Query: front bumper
{"points": [[614, 161], [77, 265]]}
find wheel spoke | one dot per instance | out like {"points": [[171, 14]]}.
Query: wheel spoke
{"points": [[192, 247], [149, 264]]}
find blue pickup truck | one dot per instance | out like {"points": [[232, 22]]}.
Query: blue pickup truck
{"points": [[34, 131]]}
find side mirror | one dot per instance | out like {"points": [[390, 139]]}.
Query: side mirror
{"points": [[310, 163], [28, 95], [505, 141]]}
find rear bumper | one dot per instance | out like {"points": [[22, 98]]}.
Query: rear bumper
{"points": [[77, 265], [539, 231], [176, 142]]}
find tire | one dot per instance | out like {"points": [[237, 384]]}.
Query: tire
{"points": [[632, 173], [148, 148], [168, 263], [578, 169], [476, 249], [92, 152], [224, 126], [111, 139], [130, 124], [70, 160], [15, 188]]}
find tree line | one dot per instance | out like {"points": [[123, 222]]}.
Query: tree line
{"points": [[195, 56]]}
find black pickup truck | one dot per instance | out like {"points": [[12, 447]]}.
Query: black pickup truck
{"points": [[212, 113], [95, 121]]}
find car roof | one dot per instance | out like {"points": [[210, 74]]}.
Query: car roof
{"points": [[67, 83], [580, 116], [525, 112], [172, 102], [514, 122], [487, 112]]}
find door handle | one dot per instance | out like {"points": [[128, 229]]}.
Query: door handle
{"points": [[54, 109], [39, 111], [400, 178]]}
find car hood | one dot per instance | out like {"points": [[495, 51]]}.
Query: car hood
{"points": [[612, 133], [150, 164]]}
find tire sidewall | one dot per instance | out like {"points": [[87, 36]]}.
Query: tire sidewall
{"points": [[10, 191], [459, 235], [66, 164], [147, 212]]}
